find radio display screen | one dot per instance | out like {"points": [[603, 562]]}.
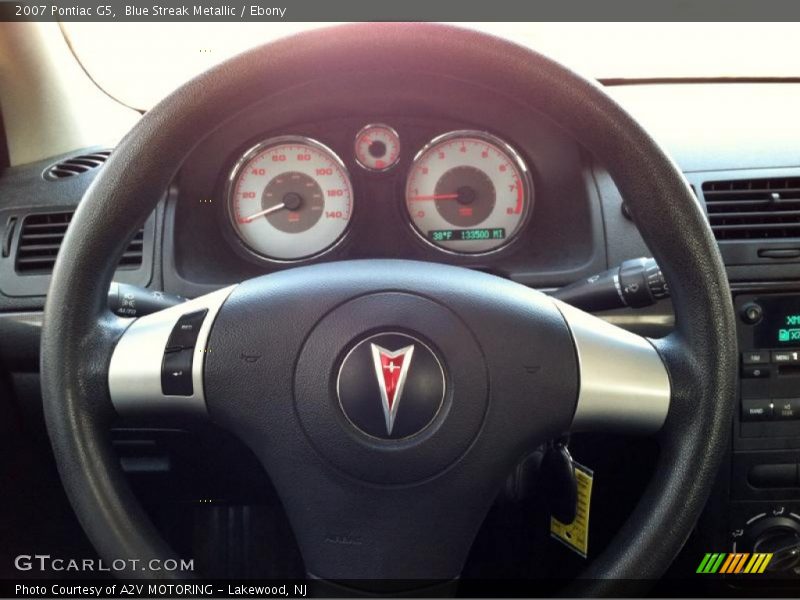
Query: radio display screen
{"points": [[780, 325]]}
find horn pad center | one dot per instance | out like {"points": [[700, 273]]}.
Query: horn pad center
{"points": [[391, 388]]}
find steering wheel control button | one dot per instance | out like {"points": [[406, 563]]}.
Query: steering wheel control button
{"points": [[391, 386], [184, 334], [757, 410], [176, 373]]}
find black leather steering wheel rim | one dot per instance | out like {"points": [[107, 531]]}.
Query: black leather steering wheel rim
{"points": [[78, 329]]}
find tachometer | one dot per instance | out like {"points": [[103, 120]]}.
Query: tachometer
{"points": [[468, 192], [290, 198]]}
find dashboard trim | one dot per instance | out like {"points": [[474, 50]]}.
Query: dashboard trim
{"points": [[624, 384]]}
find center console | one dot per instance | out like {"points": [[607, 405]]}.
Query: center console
{"points": [[764, 512]]}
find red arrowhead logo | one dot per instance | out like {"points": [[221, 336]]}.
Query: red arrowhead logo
{"points": [[391, 369]]}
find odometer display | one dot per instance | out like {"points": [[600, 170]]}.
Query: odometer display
{"points": [[466, 235], [290, 198], [468, 192]]}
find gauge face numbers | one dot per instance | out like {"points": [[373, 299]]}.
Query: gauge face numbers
{"points": [[377, 147], [290, 198], [468, 192]]}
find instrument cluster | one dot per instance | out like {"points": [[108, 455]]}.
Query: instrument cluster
{"points": [[291, 198]]}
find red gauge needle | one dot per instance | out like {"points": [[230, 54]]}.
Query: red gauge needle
{"points": [[435, 197]]}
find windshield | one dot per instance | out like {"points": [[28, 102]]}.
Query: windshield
{"points": [[140, 63]]}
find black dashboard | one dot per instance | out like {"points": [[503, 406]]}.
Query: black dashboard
{"points": [[577, 225]]}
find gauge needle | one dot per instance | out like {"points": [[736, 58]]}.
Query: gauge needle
{"points": [[435, 197], [266, 211]]}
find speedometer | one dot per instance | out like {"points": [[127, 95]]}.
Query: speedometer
{"points": [[289, 198], [468, 192]]}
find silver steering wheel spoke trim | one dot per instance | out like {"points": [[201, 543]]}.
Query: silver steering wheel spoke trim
{"points": [[135, 372], [624, 383]]}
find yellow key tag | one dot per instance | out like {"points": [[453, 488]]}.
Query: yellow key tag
{"points": [[575, 536]]}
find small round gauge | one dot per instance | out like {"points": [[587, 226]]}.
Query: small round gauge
{"points": [[468, 192], [289, 198], [377, 147]]}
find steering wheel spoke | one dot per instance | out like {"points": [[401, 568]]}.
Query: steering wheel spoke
{"points": [[624, 382], [157, 364]]}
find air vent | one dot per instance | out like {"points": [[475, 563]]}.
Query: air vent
{"points": [[41, 236], [754, 208], [76, 165]]}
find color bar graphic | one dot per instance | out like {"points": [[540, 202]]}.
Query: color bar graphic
{"points": [[734, 563]]}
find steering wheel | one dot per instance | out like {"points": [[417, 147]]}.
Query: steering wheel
{"points": [[497, 368]]}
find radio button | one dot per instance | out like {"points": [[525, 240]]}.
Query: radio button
{"points": [[786, 409], [755, 357], [786, 357], [755, 372], [757, 410]]}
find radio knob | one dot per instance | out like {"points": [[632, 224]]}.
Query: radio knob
{"points": [[752, 313]]}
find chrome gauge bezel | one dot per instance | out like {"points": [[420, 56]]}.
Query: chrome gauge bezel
{"points": [[525, 174], [393, 131], [254, 151]]}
